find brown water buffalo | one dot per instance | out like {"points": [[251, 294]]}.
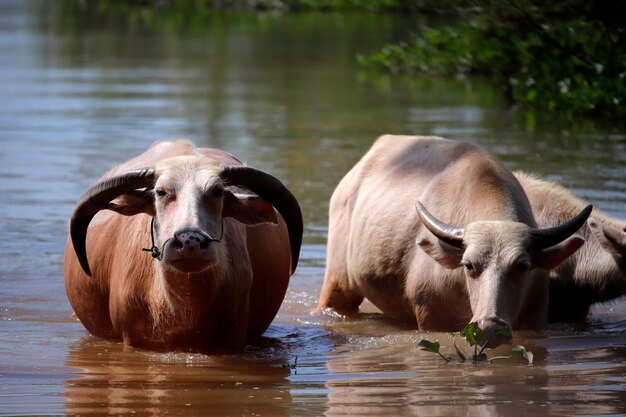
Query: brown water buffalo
{"points": [[226, 238], [597, 272], [490, 267]]}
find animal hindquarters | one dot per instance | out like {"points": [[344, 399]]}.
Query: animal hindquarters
{"points": [[337, 292]]}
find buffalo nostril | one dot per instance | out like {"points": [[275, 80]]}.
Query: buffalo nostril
{"points": [[189, 239]]}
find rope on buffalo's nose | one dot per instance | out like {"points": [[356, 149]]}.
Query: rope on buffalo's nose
{"points": [[158, 253], [154, 250]]}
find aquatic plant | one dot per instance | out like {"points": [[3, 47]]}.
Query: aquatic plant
{"points": [[476, 339]]}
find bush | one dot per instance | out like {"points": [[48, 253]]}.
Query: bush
{"points": [[566, 56]]}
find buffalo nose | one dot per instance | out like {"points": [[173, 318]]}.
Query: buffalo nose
{"points": [[190, 239], [495, 332]]}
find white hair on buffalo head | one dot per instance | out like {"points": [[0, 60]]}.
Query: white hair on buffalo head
{"points": [[499, 259], [189, 197]]}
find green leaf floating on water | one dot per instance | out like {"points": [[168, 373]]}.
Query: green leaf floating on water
{"points": [[521, 351], [429, 346], [475, 337]]}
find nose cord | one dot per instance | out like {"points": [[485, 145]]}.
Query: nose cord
{"points": [[158, 253], [154, 250]]}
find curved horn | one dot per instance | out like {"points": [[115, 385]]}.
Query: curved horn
{"points": [[97, 198], [544, 238], [274, 192], [451, 235]]}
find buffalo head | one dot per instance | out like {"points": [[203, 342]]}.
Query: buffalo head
{"points": [[189, 197], [501, 260], [612, 239]]}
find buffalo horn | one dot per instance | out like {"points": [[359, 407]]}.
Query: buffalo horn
{"points": [[97, 198], [450, 234], [274, 192], [545, 238]]}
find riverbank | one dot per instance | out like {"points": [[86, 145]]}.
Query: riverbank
{"points": [[565, 58]]}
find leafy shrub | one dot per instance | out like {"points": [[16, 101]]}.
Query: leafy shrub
{"points": [[566, 56]]}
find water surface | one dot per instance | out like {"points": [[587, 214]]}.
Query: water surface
{"points": [[82, 90]]}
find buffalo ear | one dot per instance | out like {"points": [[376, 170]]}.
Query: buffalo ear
{"points": [[134, 202], [612, 239], [248, 208], [553, 256], [447, 255]]}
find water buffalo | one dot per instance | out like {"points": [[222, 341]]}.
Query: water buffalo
{"points": [[224, 239], [491, 267], [597, 272]]}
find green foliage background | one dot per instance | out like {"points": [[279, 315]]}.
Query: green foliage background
{"points": [[565, 57]]}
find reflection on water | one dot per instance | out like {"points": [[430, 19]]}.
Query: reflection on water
{"points": [[418, 384], [110, 380], [84, 88]]}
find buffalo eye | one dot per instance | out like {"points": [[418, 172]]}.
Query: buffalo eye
{"points": [[521, 267], [160, 192], [472, 269], [218, 192], [467, 265]]}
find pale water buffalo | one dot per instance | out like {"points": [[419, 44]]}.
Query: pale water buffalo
{"points": [[224, 240], [491, 267], [597, 272]]}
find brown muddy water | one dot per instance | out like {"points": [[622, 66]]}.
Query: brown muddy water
{"points": [[82, 89]]}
